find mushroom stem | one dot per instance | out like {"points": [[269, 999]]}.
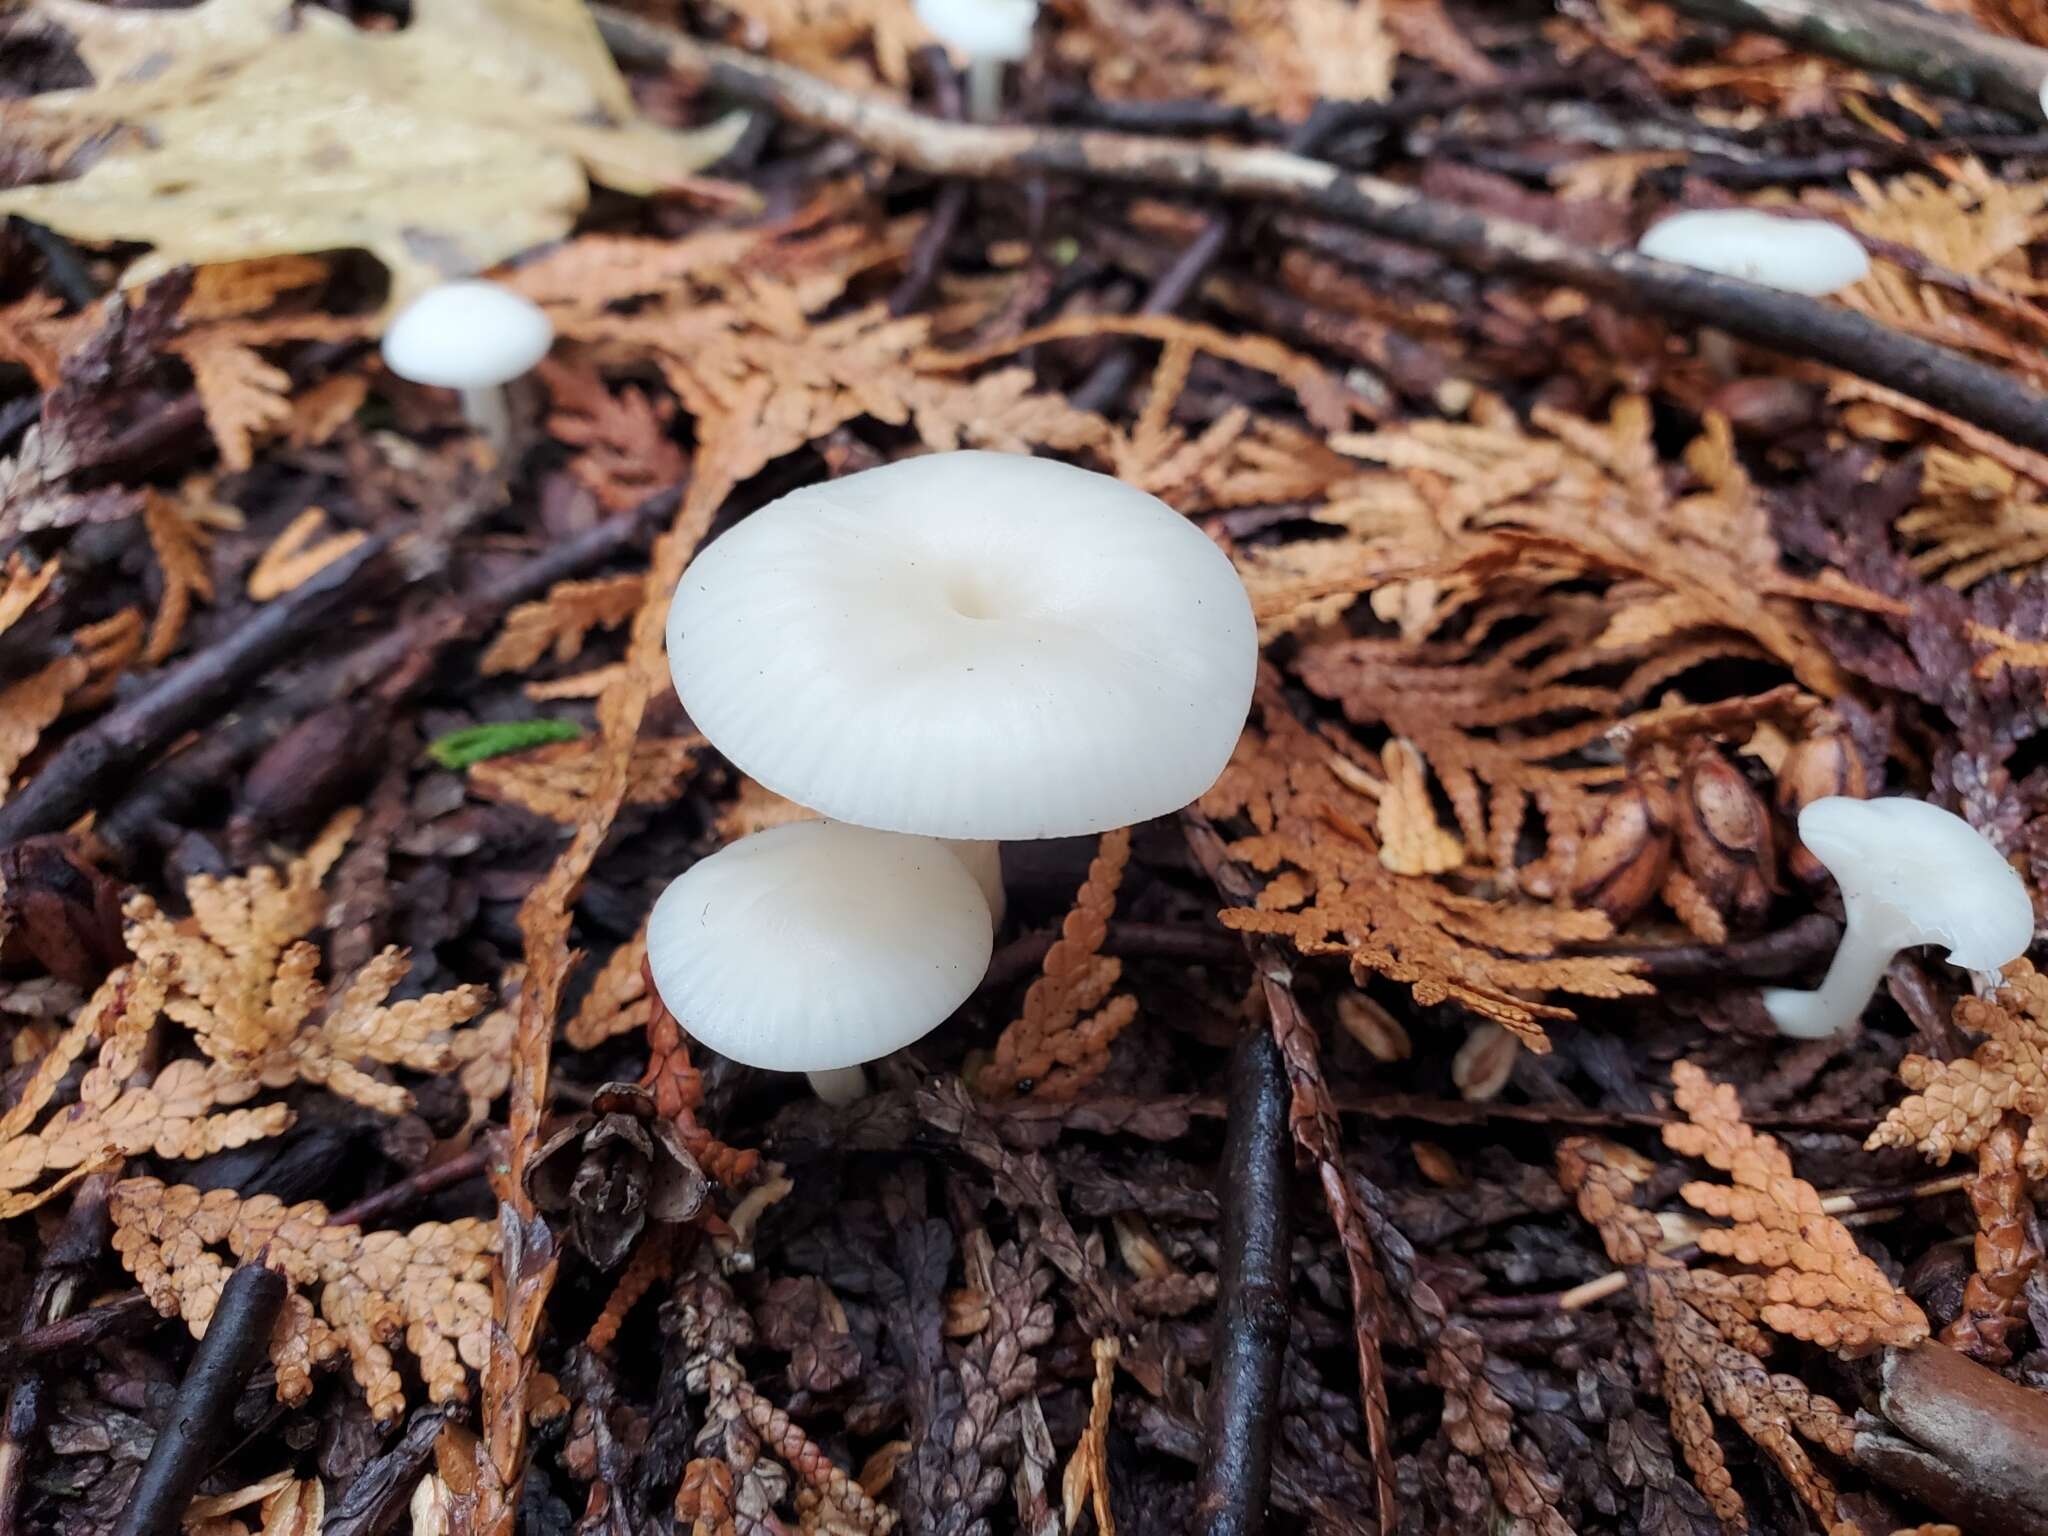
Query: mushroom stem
{"points": [[984, 861], [841, 1085], [489, 414], [1852, 977], [984, 88]]}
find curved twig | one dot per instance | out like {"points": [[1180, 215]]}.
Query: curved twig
{"points": [[1784, 322]]}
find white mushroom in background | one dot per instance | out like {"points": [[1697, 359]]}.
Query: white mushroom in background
{"points": [[815, 947], [1797, 255], [474, 337], [1910, 873], [988, 34]]}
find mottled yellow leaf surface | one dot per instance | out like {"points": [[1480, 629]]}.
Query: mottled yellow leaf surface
{"points": [[441, 148]]}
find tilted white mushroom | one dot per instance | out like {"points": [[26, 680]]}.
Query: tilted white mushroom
{"points": [[1796, 255], [815, 947], [1910, 873], [969, 645], [988, 34], [474, 337]]}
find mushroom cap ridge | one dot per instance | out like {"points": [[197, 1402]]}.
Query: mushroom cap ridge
{"points": [[969, 645], [816, 945]]}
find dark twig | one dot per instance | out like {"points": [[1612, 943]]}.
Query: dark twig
{"points": [[1943, 53], [129, 1313], [60, 258], [1800, 943], [1787, 323], [376, 1496], [928, 251], [394, 661], [417, 1186], [122, 742], [190, 1442], [1252, 1296]]}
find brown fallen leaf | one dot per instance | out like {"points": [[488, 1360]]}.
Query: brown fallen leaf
{"points": [[297, 555], [441, 148]]}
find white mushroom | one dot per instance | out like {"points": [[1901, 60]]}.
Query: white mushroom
{"points": [[1910, 873], [471, 336], [989, 34], [815, 947], [969, 645], [1796, 255]]}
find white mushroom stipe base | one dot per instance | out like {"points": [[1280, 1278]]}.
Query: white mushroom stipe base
{"points": [[988, 34], [969, 645], [1910, 873], [1795, 255], [817, 946], [473, 337]]}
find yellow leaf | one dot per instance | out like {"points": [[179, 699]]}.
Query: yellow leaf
{"points": [[267, 130]]}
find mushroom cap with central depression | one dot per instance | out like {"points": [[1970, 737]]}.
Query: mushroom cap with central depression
{"points": [[817, 946], [969, 645]]}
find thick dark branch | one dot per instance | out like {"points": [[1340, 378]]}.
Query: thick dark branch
{"points": [[236, 1339], [1252, 1296], [1943, 53], [123, 741], [1788, 323]]}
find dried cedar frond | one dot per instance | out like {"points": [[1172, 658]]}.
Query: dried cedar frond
{"points": [[179, 541], [243, 981], [624, 451], [1957, 1104], [298, 554], [1818, 1284], [1710, 1345], [564, 780], [619, 999], [1061, 1040], [28, 707], [1331, 894], [2008, 1252], [429, 1287], [561, 622]]}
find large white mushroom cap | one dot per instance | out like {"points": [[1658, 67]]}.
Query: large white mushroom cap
{"points": [[816, 946], [969, 645], [467, 335], [982, 29], [1910, 873], [1808, 256]]}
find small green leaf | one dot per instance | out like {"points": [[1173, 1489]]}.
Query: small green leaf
{"points": [[459, 749]]}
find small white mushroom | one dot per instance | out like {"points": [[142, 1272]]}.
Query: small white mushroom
{"points": [[815, 947], [1796, 255], [969, 645], [984, 861], [1910, 873], [988, 34], [474, 337]]}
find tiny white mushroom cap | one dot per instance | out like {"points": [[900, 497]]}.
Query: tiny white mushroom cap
{"points": [[816, 946], [969, 645], [1910, 873], [982, 29], [1796, 255], [467, 335]]}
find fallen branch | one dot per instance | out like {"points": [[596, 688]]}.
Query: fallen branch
{"points": [[1787, 323], [1972, 1441], [191, 1441], [1232, 1485], [1943, 53], [124, 740]]}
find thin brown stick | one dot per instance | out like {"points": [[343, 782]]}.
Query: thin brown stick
{"points": [[1943, 53], [417, 1186], [1786, 323]]}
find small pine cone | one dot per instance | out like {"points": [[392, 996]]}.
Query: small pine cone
{"points": [[1814, 769], [1725, 838], [1622, 862]]}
